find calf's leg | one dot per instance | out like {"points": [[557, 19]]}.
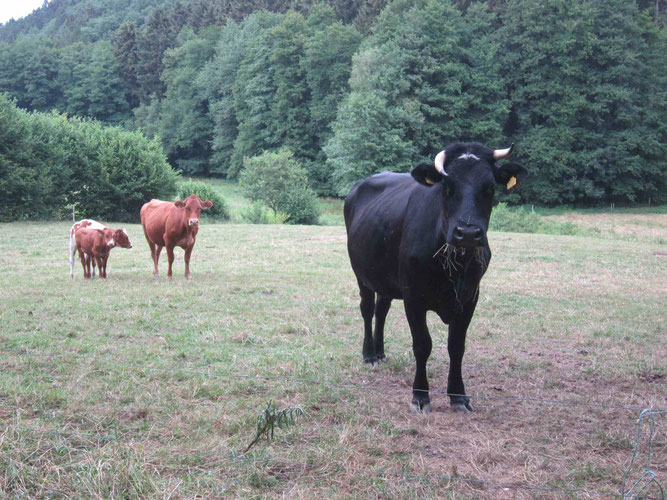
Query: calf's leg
{"points": [[72, 255], [100, 265], [86, 271]]}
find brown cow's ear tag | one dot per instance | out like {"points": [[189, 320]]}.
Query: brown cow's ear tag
{"points": [[512, 183], [429, 181]]}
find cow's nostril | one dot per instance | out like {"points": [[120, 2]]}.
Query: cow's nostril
{"points": [[458, 233], [478, 234]]}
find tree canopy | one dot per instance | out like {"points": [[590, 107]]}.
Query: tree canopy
{"points": [[353, 87]]}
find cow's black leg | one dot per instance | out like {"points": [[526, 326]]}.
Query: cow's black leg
{"points": [[381, 309], [367, 307], [421, 346], [456, 347]]}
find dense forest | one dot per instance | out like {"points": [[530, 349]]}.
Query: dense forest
{"points": [[353, 87]]}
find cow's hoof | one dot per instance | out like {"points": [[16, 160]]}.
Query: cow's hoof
{"points": [[382, 358], [371, 360], [188, 277], [420, 407], [463, 407]]}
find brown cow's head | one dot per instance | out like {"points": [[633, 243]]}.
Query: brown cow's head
{"points": [[122, 239], [467, 175], [193, 207], [109, 236]]}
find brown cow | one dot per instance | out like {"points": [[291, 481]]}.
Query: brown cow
{"points": [[170, 224], [97, 244]]}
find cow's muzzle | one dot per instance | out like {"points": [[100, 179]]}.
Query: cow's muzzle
{"points": [[468, 236], [193, 222]]}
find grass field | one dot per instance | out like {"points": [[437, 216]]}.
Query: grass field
{"points": [[141, 387]]}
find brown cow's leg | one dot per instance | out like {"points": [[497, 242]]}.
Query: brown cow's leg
{"points": [[170, 258], [103, 267], [156, 259], [188, 252], [82, 257], [99, 266]]}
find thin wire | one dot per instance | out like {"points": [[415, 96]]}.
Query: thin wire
{"points": [[331, 384]]}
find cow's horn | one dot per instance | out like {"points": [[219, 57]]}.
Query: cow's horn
{"points": [[440, 163], [499, 154]]}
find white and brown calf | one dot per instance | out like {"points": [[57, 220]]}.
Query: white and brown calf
{"points": [[118, 237]]}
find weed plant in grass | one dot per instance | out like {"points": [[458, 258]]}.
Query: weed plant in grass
{"points": [[142, 387]]}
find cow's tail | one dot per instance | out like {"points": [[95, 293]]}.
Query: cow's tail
{"points": [[72, 253]]}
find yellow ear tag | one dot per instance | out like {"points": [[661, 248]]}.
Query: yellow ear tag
{"points": [[511, 183], [429, 181]]}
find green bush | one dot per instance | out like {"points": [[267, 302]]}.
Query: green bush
{"points": [[515, 220], [259, 214], [281, 183], [49, 163], [301, 206], [219, 210]]}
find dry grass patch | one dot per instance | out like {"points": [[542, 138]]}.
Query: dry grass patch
{"points": [[137, 387]]}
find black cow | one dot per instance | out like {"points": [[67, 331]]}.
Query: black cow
{"points": [[421, 237]]}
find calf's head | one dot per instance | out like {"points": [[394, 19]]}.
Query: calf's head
{"points": [[193, 207], [109, 236], [122, 239], [467, 175]]}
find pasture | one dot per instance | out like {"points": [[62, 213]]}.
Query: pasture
{"points": [[136, 386]]}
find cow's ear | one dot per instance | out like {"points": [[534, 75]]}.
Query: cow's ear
{"points": [[426, 174], [206, 204], [510, 174], [100, 232], [180, 204]]}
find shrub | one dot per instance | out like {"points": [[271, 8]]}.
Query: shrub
{"points": [[516, 220], [259, 214], [301, 206], [205, 191], [50, 162], [281, 183]]}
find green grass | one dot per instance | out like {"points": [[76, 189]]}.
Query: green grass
{"points": [[136, 386]]}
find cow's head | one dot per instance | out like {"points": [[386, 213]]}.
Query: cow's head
{"points": [[109, 236], [468, 174], [193, 207], [122, 239]]}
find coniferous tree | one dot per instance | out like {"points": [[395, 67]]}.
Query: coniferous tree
{"points": [[327, 62], [425, 79], [575, 75], [157, 36], [184, 123], [126, 51]]}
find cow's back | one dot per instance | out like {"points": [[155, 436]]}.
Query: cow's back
{"points": [[87, 239], [154, 219], [375, 213]]}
